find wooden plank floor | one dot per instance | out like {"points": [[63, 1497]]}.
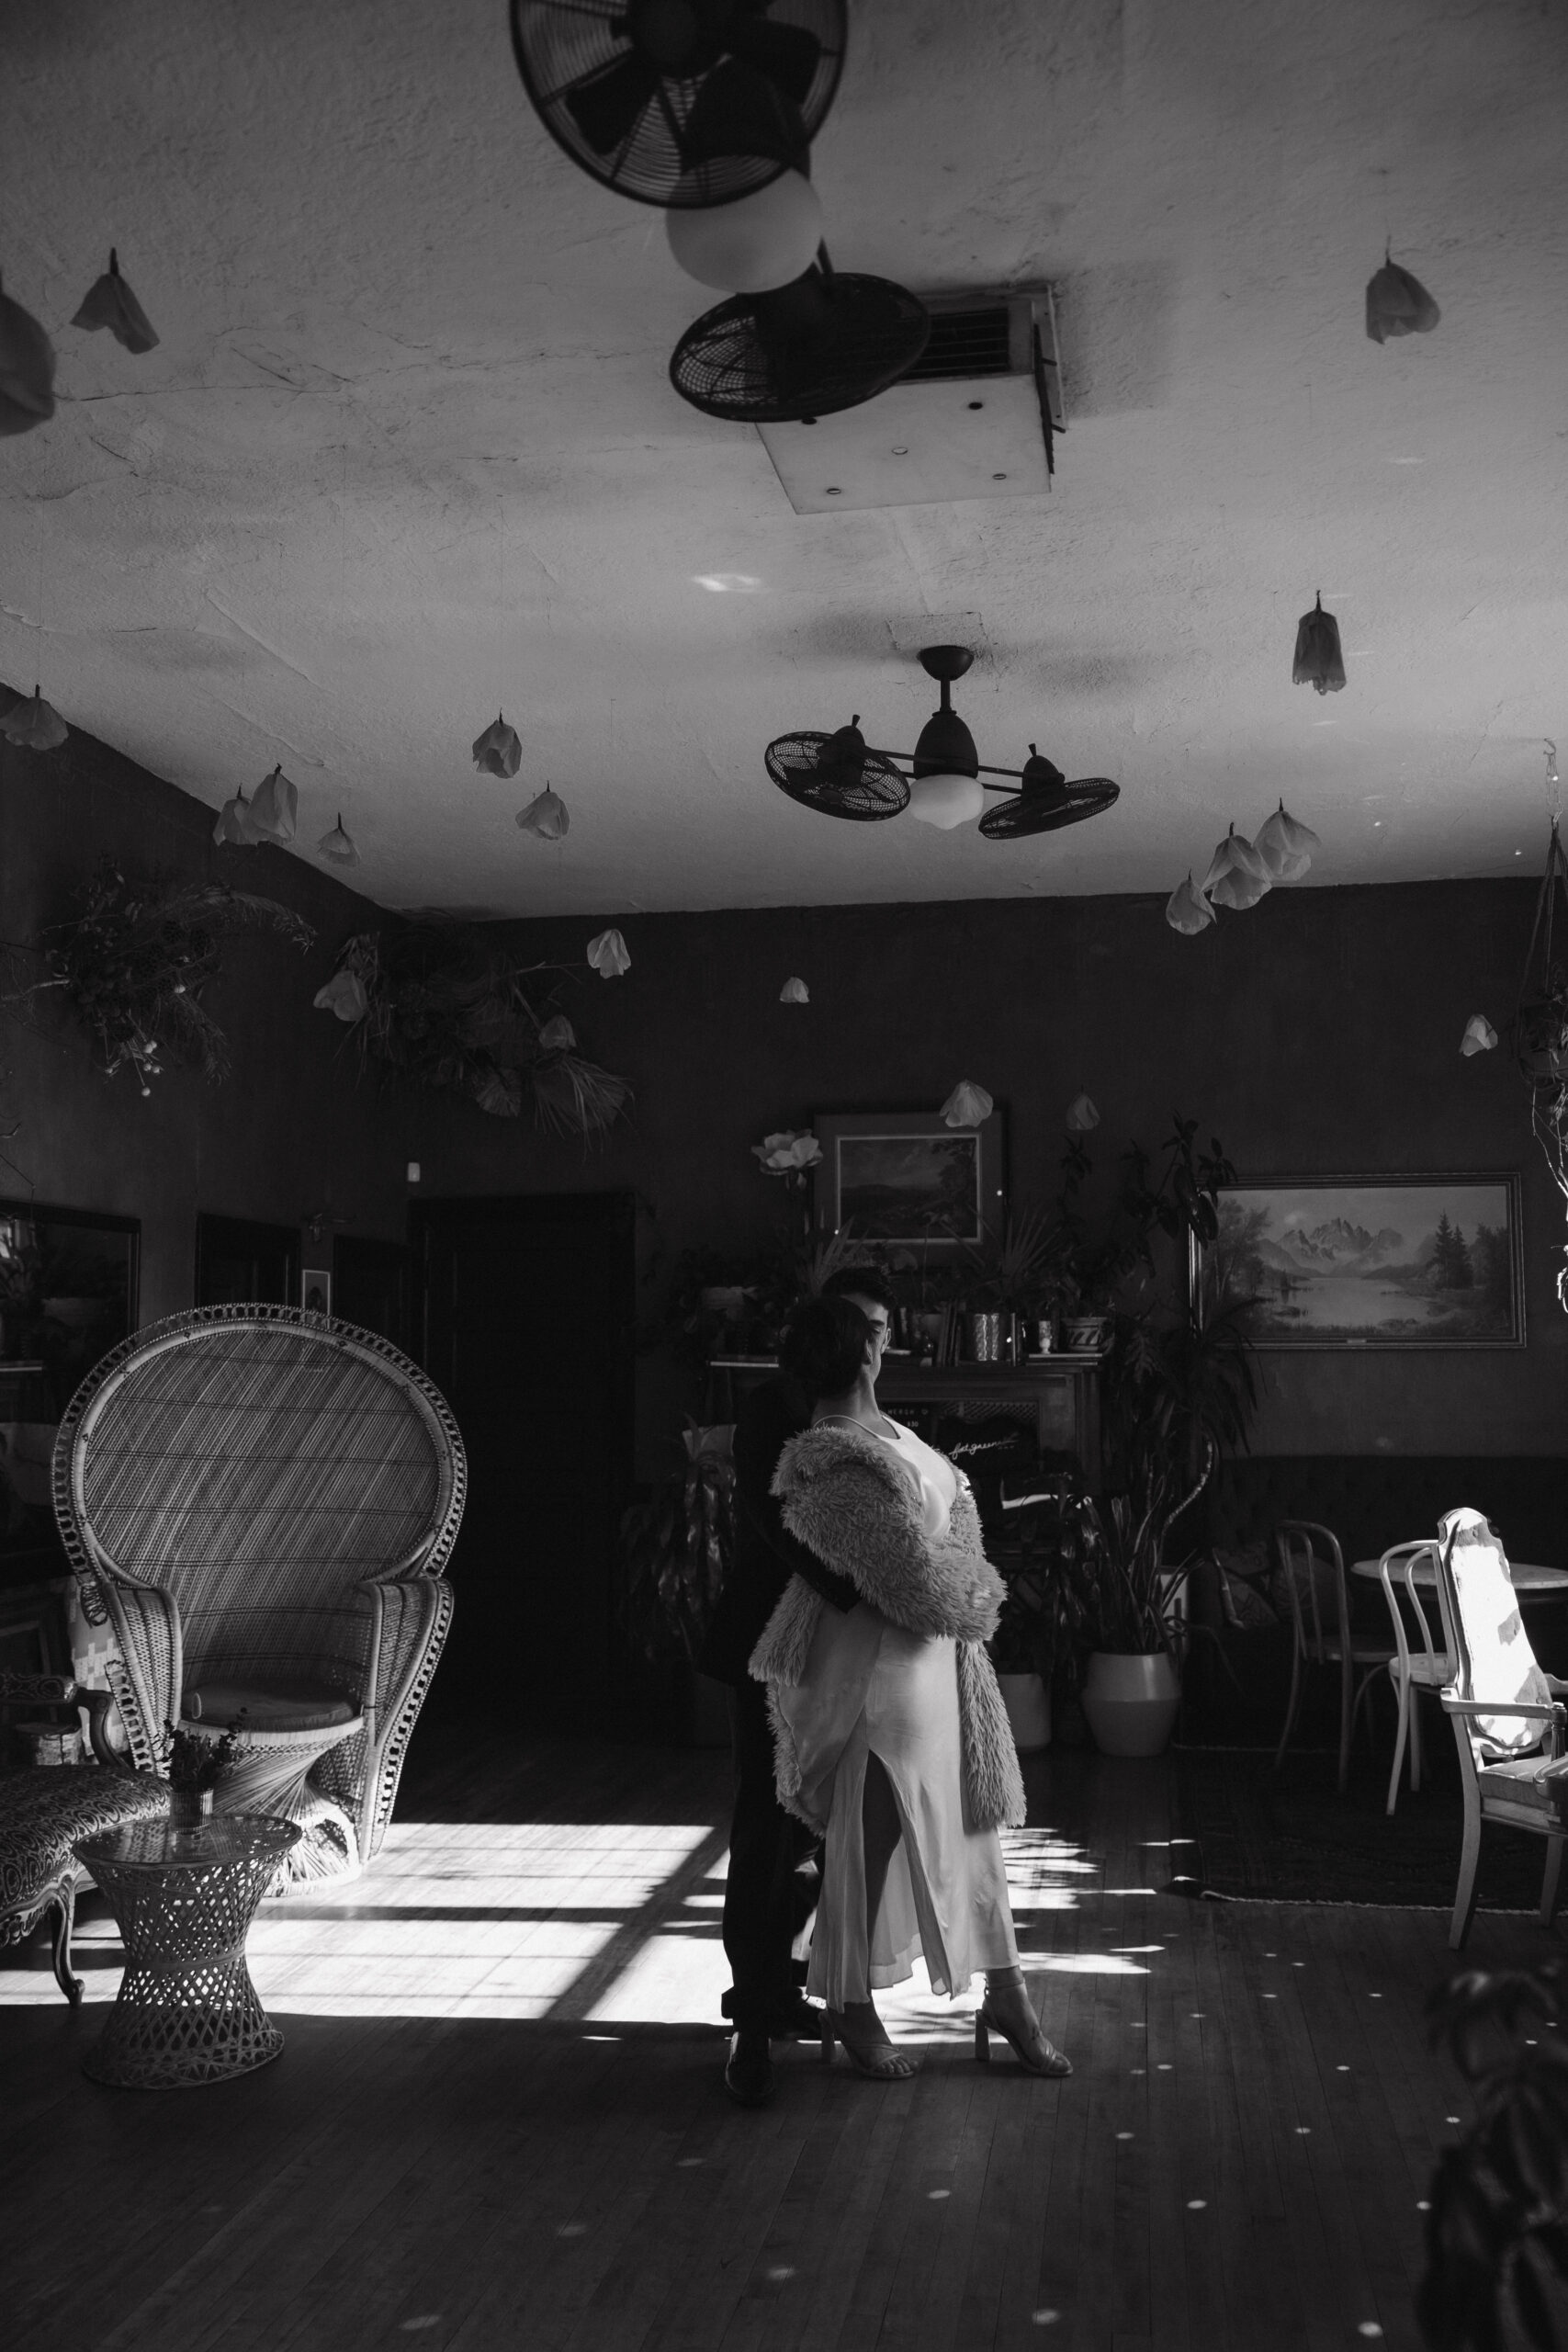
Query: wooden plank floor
{"points": [[499, 2119]]}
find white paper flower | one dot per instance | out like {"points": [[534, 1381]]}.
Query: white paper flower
{"points": [[274, 808], [26, 370], [546, 817], [794, 992], [1238, 876], [109, 303], [790, 1152], [1081, 1115], [1479, 1035], [967, 1104], [234, 825], [1188, 910], [337, 846], [345, 995], [1285, 846], [557, 1035], [607, 953], [497, 752], [34, 725]]}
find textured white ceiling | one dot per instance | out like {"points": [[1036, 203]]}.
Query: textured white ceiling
{"points": [[407, 453]]}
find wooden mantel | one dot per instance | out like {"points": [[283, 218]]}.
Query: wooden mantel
{"points": [[1063, 1389]]}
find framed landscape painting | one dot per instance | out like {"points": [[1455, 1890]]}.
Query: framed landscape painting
{"points": [[1371, 1262], [907, 1177]]}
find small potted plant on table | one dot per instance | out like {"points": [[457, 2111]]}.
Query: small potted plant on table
{"points": [[193, 1765]]}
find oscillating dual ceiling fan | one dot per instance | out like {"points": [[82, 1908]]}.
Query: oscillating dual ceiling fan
{"points": [[681, 103], [840, 774]]}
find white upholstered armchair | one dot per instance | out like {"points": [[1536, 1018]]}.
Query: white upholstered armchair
{"points": [[260, 1503]]}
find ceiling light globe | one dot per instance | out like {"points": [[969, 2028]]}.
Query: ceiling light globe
{"points": [[946, 800], [760, 241]]}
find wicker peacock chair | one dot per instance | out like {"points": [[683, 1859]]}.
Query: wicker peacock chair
{"points": [[260, 1502]]}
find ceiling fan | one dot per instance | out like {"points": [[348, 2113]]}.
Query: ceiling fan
{"points": [[681, 103], [827, 341], [841, 775]]}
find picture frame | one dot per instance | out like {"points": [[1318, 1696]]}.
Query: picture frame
{"points": [[1352, 1263], [906, 1180], [316, 1289]]}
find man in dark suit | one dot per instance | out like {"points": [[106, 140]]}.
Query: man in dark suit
{"points": [[766, 1900]]}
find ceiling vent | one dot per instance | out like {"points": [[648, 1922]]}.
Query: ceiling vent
{"points": [[975, 417]]}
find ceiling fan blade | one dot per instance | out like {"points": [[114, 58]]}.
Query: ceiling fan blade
{"points": [[739, 112], [1024, 813], [605, 107], [787, 54]]}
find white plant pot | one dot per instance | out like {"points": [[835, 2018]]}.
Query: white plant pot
{"points": [[1130, 1703], [1028, 1703]]}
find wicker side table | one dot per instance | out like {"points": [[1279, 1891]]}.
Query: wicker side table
{"points": [[187, 2012]]}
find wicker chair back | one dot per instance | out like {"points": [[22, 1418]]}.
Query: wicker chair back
{"points": [[258, 1495]]}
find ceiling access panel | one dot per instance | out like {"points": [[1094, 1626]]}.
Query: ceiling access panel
{"points": [[975, 417]]}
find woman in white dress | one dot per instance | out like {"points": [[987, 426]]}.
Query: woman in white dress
{"points": [[889, 1728]]}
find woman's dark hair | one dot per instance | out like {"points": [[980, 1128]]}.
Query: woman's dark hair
{"points": [[823, 1348], [864, 1282]]}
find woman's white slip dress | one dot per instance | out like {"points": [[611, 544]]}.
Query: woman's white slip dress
{"points": [[872, 1690]]}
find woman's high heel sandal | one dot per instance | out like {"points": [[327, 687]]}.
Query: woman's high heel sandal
{"points": [[879, 2064], [1041, 2058]]}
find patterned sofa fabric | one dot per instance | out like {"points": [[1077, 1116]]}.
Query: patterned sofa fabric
{"points": [[42, 1814]]}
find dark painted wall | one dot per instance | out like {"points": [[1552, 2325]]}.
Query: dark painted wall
{"points": [[1317, 1032], [289, 1132]]}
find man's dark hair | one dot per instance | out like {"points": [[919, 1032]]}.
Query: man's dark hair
{"points": [[864, 1282], [823, 1348]]}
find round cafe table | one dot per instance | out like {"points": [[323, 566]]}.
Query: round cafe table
{"points": [[187, 2012], [1531, 1583]]}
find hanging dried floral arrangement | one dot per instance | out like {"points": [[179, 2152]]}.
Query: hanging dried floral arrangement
{"points": [[445, 1007], [26, 370], [132, 966], [109, 303], [1318, 658]]}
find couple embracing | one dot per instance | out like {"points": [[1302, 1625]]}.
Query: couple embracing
{"points": [[868, 1717]]}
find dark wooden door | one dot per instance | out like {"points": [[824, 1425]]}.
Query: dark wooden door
{"points": [[528, 1317], [238, 1261], [370, 1286]]}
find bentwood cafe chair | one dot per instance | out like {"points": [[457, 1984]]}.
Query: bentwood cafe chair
{"points": [[260, 1504]]}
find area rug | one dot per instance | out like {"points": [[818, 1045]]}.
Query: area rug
{"points": [[1248, 1834]]}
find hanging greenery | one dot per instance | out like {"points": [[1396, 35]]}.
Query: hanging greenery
{"points": [[133, 964], [445, 1007]]}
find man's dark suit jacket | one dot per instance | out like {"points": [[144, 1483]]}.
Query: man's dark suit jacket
{"points": [[766, 1554]]}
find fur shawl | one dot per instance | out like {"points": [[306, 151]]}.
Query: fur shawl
{"points": [[844, 1494]]}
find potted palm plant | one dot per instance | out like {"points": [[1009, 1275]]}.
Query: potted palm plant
{"points": [[1180, 1384], [676, 1547]]}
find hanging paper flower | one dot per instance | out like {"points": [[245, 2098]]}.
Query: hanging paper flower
{"points": [[967, 1104], [1318, 661], [1081, 1115], [234, 825], [109, 303], [607, 953], [33, 724], [345, 995], [26, 370], [557, 1035], [275, 806], [789, 1153], [338, 846], [1398, 304], [1188, 910], [1285, 846], [1479, 1035], [794, 992], [499, 750], [546, 816], [1238, 876]]}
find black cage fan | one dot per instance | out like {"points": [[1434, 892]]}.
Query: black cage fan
{"points": [[841, 775], [681, 103], [829, 341]]}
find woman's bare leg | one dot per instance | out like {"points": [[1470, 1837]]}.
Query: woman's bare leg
{"points": [[880, 1832]]}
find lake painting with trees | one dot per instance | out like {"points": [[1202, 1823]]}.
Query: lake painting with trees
{"points": [[1418, 1261]]}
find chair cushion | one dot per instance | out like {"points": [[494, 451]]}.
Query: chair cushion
{"points": [[1520, 1781], [43, 1813], [284, 1706]]}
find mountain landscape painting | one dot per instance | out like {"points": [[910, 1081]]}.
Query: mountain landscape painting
{"points": [[1420, 1263]]}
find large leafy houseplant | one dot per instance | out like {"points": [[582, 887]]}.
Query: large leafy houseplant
{"points": [[1496, 2234], [1179, 1386], [676, 1547]]}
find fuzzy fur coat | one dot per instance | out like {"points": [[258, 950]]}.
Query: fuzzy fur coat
{"points": [[843, 1494]]}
